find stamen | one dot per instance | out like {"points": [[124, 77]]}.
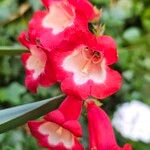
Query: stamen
{"points": [[87, 65], [91, 57], [86, 53], [59, 131]]}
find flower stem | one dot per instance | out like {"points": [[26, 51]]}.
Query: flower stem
{"points": [[9, 50]]}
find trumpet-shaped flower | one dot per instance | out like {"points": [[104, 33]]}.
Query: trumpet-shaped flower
{"points": [[60, 128], [38, 64], [101, 134], [61, 20], [84, 71]]}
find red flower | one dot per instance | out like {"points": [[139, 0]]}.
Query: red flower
{"points": [[84, 70], [101, 134], [60, 129], [38, 64], [61, 20]]}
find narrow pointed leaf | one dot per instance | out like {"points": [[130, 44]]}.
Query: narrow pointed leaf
{"points": [[13, 117]]}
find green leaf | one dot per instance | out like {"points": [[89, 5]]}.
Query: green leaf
{"points": [[12, 93], [8, 50], [146, 19], [13, 117]]}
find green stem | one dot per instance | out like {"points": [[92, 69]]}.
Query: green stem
{"points": [[9, 50]]}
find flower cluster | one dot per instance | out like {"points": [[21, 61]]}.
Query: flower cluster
{"points": [[62, 49]]}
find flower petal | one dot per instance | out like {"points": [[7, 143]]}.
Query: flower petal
{"points": [[68, 86], [108, 47], [35, 24], [111, 85], [74, 126], [23, 39], [39, 68], [88, 10], [75, 103], [55, 116], [60, 16]]}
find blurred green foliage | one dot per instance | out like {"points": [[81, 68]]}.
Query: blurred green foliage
{"points": [[128, 21]]}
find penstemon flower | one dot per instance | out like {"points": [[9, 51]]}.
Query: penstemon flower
{"points": [[85, 69], [38, 64], [61, 20], [101, 134], [60, 128]]}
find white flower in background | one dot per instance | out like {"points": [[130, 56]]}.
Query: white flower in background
{"points": [[132, 120]]}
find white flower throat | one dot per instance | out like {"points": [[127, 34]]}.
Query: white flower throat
{"points": [[85, 65]]}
